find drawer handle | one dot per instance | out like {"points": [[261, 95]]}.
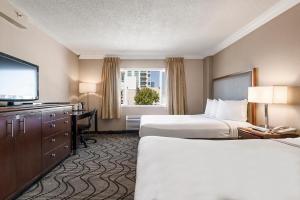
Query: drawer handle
{"points": [[66, 122], [52, 125], [66, 134], [53, 155], [66, 147], [52, 115], [53, 140], [24, 125], [11, 128]]}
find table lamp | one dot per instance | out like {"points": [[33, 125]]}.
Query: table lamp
{"points": [[268, 95], [87, 88]]}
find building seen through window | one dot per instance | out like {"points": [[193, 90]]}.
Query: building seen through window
{"points": [[135, 80]]}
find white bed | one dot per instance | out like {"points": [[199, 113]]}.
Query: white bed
{"points": [[182, 169], [202, 126], [189, 126]]}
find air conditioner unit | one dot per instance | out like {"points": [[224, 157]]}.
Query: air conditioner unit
{"points": [[133, 122]]}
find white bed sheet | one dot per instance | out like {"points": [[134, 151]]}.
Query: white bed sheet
{"points": [[182, 169], [189, 126]]}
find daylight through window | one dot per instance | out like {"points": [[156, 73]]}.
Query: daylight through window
{"points": [[143, 87]]}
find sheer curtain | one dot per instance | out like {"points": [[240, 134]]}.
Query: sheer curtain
{"points": [[177, 100], [110, 106]]}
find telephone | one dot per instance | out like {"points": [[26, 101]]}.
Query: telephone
{"points": [[284, 129]]}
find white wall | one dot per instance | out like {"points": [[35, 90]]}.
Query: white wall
{"points": [[58, 66]]}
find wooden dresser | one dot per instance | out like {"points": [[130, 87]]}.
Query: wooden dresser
{"points": [[56, 139], [33, 139]]}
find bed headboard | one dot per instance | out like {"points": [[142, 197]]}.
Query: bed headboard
{"points": [[235, 87]]}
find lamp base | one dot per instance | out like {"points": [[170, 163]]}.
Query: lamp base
{"points": [[267, 116]]}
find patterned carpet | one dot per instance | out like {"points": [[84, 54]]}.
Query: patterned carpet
{"points": [[105, 170]]}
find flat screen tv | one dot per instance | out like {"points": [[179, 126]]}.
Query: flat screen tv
{"points": [[19, 80]]}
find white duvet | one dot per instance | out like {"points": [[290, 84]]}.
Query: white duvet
{"points": [[182, 169], [189, 126]]}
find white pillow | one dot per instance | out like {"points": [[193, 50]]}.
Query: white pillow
{"points": [[211, 107], [232, 110], [215, 106], [208, 107]]}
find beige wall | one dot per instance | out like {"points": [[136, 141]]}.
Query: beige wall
{"points": [[207, 78], [90, 71], [58, 65], [194, 84], [275, 50]]}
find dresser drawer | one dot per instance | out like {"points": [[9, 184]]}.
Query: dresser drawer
{"points": [[53, 157], [53, 127], [50, 143], [55, 114]]}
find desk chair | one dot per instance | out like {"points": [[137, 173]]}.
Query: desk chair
{"points": [[83, 129]]}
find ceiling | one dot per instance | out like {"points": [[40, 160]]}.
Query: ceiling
{"points": [[144, 28]]}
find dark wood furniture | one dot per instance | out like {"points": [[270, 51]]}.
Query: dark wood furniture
{"points": [[56, 136], [75, 117], [248, 133], [83, 130], [33, 139]]}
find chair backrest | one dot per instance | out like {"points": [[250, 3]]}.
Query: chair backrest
{"points": [[91, 115]]}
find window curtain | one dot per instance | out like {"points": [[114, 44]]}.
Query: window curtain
{"points": [[177, 100], [110, 106]]}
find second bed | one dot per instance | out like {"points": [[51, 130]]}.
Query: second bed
{"points": [[189, 126]]}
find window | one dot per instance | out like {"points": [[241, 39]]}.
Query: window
{"points": [[134, 81]]}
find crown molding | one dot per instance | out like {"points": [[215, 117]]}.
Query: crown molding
{"points": [[267, 16], [136, 57], [193, 57], [90, 57]]}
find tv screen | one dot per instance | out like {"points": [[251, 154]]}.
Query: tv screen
{"points": [[18, 79]]}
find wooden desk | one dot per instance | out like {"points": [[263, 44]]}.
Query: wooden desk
{"points": [[78, 115]]}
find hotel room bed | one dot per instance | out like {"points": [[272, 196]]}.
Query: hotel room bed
{"points": [[189, 126], [202, 126], [174, 168]]}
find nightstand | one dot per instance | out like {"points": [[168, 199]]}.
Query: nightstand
{"points": [[249, 133]]}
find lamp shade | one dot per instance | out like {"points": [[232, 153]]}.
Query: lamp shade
{"points": [[268, 94], [87, 87]]}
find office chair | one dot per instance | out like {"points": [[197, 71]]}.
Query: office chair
{"points": [[83, 129]]}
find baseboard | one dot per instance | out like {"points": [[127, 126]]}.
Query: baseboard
{"points": [[114, 132]]}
